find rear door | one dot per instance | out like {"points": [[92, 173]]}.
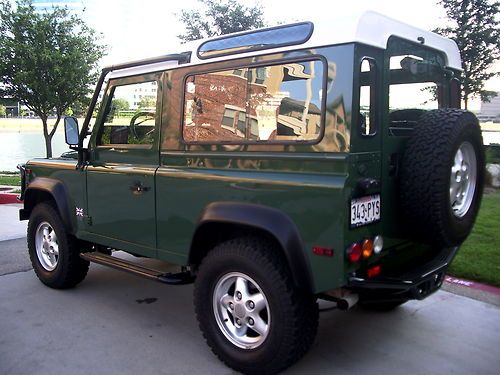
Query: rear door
{"points": [[413, 84], [366, 141]]}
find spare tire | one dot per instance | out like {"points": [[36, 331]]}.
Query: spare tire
{"points": [[442, 177]]}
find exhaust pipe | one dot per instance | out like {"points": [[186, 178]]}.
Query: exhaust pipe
{"points": [[344, 298]]}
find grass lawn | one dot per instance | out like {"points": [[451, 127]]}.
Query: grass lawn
{"points": [[11, 180], [479, 257]]}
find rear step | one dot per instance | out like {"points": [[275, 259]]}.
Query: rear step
{"points": [[180, 278]]}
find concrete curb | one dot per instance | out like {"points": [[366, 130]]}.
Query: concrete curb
{"points": [[473, 285], [9, 198]]}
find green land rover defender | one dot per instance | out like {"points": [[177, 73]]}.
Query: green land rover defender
{"points": [[271, 168]]}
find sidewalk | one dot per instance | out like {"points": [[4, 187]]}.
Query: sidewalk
{"points": [[10, 226]]}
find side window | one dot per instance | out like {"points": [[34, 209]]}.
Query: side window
{"points": [[367, 95], [130, 116], [275, 103]]}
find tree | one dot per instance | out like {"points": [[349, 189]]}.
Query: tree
{"points": [[475, 29], [3, 111], [219, 18], [81, 106], [147, 101], [120, 104], [47, 60]]}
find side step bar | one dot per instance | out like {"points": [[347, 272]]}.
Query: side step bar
{"points": [[180, 278]]}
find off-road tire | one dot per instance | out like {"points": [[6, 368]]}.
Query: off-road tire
{"points": [[294, 314], [425, 176], [70, 269]]}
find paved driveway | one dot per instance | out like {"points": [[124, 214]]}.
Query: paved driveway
{"points": [[116, 323]]}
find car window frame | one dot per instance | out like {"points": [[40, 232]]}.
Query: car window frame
{"points": [[302, 59]]}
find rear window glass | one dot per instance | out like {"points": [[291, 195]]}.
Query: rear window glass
{"points": [[274, 103]]}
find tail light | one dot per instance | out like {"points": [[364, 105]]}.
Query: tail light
{"points": [[367, 248], [373, 271], [378, 244], [364, 250], [354, 252]]}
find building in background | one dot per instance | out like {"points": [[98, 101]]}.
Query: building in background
{"points": [[12, 107], [490, 111]]}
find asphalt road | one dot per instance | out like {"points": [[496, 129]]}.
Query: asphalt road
{"points": [[116, 323]]}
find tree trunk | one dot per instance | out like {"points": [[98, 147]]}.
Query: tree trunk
{"points": [[466, 101], [48, 136]]}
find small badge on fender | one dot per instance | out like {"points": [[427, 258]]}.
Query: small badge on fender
{"points": [[79, 212]]}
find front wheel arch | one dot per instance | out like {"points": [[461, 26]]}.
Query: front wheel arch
{"points": [[46, 190]]}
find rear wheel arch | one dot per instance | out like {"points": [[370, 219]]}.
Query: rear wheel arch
{"points": [[221, 221]]}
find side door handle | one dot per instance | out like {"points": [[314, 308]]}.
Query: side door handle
{"points": [[138, 188]]}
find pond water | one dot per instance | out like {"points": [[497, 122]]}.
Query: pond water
{"points": [[17, 148]]}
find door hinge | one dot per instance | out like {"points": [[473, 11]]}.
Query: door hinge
{"points": [[88, 219]]}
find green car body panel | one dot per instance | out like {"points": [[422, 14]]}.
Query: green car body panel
{"points": [[150, 200]]}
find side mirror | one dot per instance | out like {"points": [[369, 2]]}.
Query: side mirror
{"points": [[71, 130]]}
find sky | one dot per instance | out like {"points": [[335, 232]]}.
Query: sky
{"points": [[139, 29], [136, 29]]}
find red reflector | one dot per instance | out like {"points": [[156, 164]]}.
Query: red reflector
{"points": [[354, 252], [374, 271], [322, 251]]}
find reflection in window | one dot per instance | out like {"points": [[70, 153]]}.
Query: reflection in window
{"points": [[273, 103], [128, 122], [367, 96]]}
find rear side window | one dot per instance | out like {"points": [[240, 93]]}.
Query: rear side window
{"points": [[285, 35], [367, 95], [276, 103]]}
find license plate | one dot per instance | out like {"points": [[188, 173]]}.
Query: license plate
{"points": [[365, 210]]}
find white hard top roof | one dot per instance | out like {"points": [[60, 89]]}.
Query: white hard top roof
{"points": [[370, 28]]}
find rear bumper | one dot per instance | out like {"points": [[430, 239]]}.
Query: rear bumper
{"points": [[416, 284]]}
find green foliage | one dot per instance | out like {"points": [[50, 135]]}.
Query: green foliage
{"points": [[48, 60], [119, 104], [147, 102], [10, 180], [476, 30], [81, 106], [3, 111], [493, 154], [219, 18], [479, 257]]}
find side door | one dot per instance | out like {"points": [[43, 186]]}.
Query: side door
{"points": [[123, 162]]}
